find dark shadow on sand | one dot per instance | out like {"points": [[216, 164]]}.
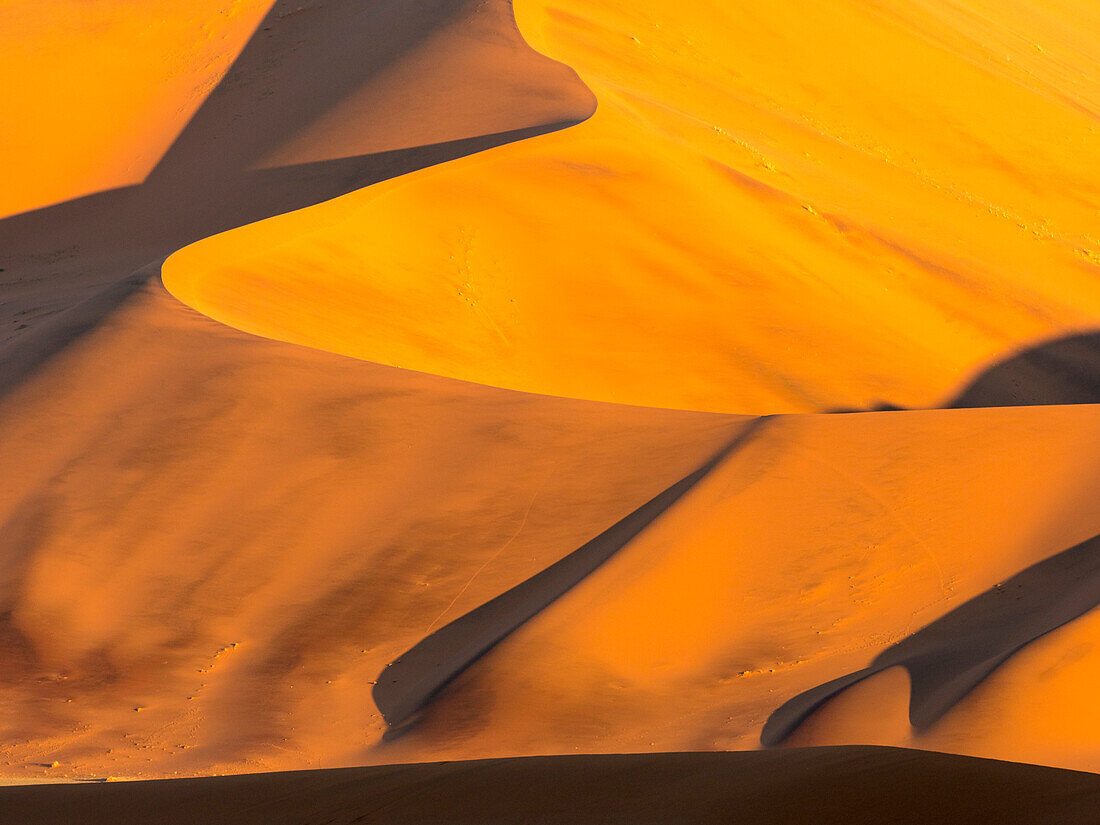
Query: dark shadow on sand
{"points": [[1064, 371], [406, 685], [53, 258], [63, 267], [825, 786], [951, 656]]}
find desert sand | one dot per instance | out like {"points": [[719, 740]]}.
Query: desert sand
{"points": [[439, 380], [835, 786]]}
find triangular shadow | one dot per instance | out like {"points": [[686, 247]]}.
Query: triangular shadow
{"points": [[952, 655]]}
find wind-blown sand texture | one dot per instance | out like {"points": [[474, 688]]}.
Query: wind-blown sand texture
{"points": [[401, 381]]}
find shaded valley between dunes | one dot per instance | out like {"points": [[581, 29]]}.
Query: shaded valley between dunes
{"points": [[831, 786]]}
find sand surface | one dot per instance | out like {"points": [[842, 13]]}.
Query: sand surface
{"points": [[784, 208], [824, 785], [404, 381]]}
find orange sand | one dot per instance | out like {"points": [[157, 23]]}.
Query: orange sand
{"points": [[94, 93], [865, 786], [214, 540]]}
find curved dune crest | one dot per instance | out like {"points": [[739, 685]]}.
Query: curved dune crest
{"points": [[222, 533], [771, 211], [829, 786], [91, 103], [950, 657], [326, 97]]}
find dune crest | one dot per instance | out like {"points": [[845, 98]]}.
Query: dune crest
{"points": [[326, 97], [950, 657], [583, 515], [93, 102], [865, 785], [826, 544], [839, 207]]}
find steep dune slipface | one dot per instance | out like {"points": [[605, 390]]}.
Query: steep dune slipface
{"points": [[787, 207], [94, 93]]}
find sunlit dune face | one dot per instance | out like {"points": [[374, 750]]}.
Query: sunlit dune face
{"points": [[815, 546], [216, 542], [93, 93], [469, 74], [787, 207], [228, 516]]}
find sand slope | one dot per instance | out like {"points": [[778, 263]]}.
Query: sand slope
{"points": [[236, 535], [221, 550], [93, 104], [842, 786], [323, 98], [789, 207], [215, 549], [809, 551]]}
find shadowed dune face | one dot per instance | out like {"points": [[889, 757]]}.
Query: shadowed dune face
{"points": [[1065, 371], [214, 543], [326, 97], [782, 208], [951, 656], [810, 551], [831, 786]]}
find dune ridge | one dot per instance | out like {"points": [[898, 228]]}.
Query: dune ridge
{"points": [[829, 785], [822, 544], [223, 168], [408, 683], [220, 537], [947, 659], [769, 212]]}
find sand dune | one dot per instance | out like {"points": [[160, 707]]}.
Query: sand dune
{"points": [[787, 208], [947, 659], [93, 104], [825, 785], [361, 473], [286, 127], [410, 682], [801, 558], [218, 543], [236, 535]]}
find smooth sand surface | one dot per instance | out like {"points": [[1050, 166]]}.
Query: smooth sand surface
{"points": [[216, 542], [822, 543], [354, 478], [295, 119], [95, 93], [841, 786], [786, 207]]}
